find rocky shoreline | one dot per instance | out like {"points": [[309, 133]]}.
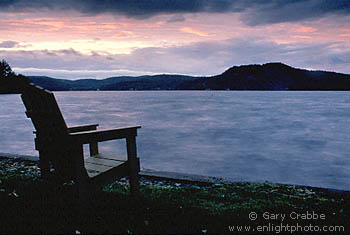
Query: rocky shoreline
{"points": [[28, 165]]}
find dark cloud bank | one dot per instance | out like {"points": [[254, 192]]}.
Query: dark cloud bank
{"points": [[254, 12]]}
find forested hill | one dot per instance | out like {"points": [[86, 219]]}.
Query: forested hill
{"points": [[271, 76], [155, 82]]}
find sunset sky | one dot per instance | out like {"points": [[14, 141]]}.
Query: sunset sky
{"points": [[102, 38]]}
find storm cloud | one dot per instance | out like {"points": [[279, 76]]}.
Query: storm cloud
{"points": [[254, 12]]}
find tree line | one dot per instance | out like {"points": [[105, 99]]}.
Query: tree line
{"points": [[10, 82]]}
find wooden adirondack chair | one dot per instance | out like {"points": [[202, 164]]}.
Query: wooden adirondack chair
{"points": [[61, 148]]}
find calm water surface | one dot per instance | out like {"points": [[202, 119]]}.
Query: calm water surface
{"points": [[285, 137]]}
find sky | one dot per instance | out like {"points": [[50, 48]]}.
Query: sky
{"points": [[102, 38]]}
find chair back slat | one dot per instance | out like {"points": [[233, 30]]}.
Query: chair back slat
{"points": [[43, 110]]}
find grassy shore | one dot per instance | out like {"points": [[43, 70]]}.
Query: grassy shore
{"points": [[30, 205]]}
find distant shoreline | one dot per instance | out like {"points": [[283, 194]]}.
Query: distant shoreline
{"points": [[266, 77]]}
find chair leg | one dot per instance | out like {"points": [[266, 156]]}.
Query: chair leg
{"points": [[81, 176], [93, 149], [44, 164], [133, 165]]}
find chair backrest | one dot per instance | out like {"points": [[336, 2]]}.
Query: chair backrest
{"points": [[43, 110]]}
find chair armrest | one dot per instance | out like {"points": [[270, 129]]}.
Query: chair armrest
{"points": [[75, 129], [103, 135]]}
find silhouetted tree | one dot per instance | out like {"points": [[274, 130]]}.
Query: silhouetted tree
{"points": [[9, 81], [5, 69]]}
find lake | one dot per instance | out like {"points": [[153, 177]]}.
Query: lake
{"points": [[281, 136]]}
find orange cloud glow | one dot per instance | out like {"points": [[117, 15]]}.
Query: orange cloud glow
{"points": [[305, 29], [194, 31], [302, 37]]}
